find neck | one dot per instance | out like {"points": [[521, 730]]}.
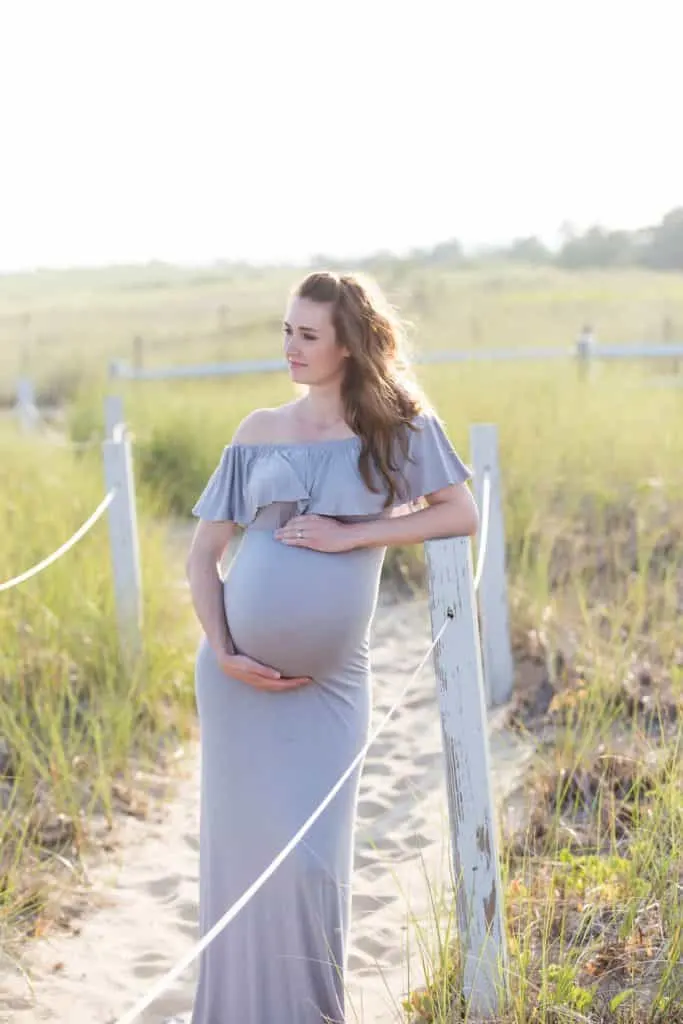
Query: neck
{"points": [[323, 404]]}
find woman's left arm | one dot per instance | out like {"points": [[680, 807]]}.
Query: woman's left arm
{"points": [[450, 512]]}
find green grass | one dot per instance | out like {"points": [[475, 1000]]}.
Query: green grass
{"points": [[75, 721], [593, 504]]}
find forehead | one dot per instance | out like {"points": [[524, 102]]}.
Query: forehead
{"points": [[307, 313]]}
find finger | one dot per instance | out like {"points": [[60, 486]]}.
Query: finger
{"points": [[293, 684], [265, 671], [288, 531], [292, 537]]}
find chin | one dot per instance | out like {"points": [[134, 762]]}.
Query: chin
{"points": [[300, 374]]}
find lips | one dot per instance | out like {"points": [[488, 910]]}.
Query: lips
{"points": [[296, 365]]}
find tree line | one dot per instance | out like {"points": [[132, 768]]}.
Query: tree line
{"points": [[659, 248]]}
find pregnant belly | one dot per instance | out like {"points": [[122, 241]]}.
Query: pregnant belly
{"points": [[302, 612]]}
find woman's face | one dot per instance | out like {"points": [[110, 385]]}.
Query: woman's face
{"points": [[310, 343]]}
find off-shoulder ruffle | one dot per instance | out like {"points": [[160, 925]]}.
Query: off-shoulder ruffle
{"points": [[323, 478], [432, 462], [247, 478]]}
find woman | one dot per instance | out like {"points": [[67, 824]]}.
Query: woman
{"points": [[282, 675]]}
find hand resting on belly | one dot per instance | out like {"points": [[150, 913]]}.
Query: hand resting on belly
{"points": [[261, 677]]}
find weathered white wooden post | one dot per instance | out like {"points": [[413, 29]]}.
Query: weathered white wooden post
{"points": [[113, 414], [585, 348], [26, 407], [123, 535], [474, 847], [138, 352], [499, 669]]}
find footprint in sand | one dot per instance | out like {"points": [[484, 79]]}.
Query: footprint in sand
{"points": [[164, 889], [372, 809], [365, 903], [417, 841], [149, 965], [381, 949], [373, 767]]}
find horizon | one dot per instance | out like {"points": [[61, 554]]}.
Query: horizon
{"points": [[190, 135]]}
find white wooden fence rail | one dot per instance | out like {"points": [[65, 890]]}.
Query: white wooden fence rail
{"points": [[583, 352]]}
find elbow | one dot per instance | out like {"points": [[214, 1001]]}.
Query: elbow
{"points": [[471, 528], [465, 515], [458, 514], [466, 522]]}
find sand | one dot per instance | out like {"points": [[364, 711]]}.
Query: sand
{"points": [[142, 903]]}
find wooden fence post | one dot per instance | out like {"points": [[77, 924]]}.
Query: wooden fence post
{"points": [[138, 352], [26, 407], [499, 668], [123, 535], [585, 350], [474, 847]]}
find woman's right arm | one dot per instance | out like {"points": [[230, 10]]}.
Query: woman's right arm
{"points": [[206, 550]]}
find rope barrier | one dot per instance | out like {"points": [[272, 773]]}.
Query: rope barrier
{"points": [[484, 537], [99, 511], [181, 966]]}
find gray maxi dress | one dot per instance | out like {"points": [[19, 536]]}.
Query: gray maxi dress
{"points": [[268, 759]]}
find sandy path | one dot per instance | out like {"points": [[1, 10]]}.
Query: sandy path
{"points": [[144, 905]]}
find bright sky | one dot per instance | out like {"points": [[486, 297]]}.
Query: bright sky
{"points": [[193, 130]]}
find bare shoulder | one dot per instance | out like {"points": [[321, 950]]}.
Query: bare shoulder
{"points": [[264, 426]]}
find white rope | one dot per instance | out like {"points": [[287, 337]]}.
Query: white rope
{"points": [[99, 511], [484, 535]]}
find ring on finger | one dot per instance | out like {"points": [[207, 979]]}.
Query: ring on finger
{"points": [[299, 534]]}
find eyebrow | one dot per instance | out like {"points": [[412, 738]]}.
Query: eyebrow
{"points": [[313, 330]]}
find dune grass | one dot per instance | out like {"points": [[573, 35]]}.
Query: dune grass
{"points": [[593, 502], [76, 722]]}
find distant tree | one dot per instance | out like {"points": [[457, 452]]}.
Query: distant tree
{"points": [[597, 248], [528, 250], [319, 261], [450, 252], [665, 249]]}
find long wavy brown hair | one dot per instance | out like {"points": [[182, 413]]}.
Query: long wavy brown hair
{"points": [[379, 393]]}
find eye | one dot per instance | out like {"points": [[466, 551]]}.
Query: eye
{"points": [[286, 329], [310, 337]]}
